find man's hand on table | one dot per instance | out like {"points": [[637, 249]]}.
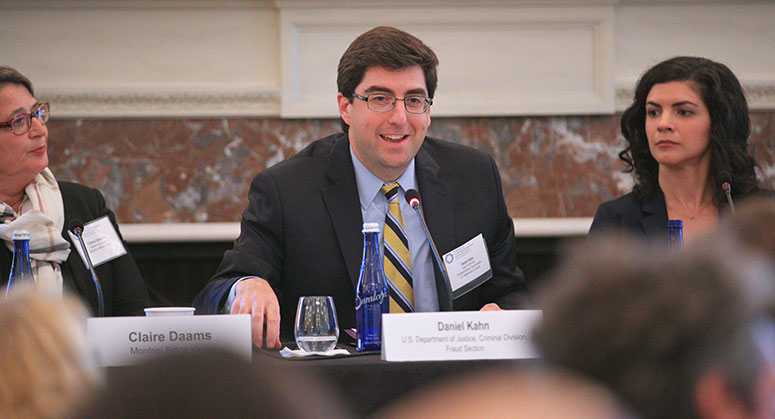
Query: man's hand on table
{"points": [[255, 296]]}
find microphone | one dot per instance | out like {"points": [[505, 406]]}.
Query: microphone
{"points": [[76, 227], [413, 199], [724, 180]]}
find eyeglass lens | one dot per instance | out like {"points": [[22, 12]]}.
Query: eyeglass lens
{"points": [[384, 103], [23, 123]]}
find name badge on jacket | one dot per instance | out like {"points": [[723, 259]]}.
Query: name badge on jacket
{"points": [[468, 266], [101, 240]]}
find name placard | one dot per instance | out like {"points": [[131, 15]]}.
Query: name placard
{"points": [[121, 341], [459, 335]]}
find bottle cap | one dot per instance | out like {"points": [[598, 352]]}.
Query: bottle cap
{"points": [[370, 228], [21, 235], [675, 224]]}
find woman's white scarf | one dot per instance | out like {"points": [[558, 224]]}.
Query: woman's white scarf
{"points": [[43, 215]]}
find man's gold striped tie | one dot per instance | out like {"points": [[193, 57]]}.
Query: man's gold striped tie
{"points": [[398, 265]]}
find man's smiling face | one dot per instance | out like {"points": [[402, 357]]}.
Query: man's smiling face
{"points": [[386, 142]]}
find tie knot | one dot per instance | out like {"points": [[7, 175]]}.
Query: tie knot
{"points": [[390, 190]]}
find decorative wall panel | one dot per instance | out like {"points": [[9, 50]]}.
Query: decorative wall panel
{"points": [[199, 170]]}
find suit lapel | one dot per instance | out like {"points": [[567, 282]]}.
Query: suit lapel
{"points": [[341, 199], [654, 220], [436, 196]]}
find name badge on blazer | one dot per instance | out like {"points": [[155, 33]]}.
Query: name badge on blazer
{"points": [[468, 266], [102, 241]]}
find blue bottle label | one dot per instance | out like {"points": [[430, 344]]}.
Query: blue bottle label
{"points": [[370, 299]]}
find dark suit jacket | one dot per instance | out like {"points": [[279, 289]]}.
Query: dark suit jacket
{"points": [[646, 218], [122, 286], [627, 213], [302, 233]]}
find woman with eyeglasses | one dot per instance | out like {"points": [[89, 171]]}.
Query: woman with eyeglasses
{"points": [[687, 126], [32, 199]]}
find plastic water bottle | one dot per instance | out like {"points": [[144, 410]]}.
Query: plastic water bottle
{"points": [[675, 235], [21, 271], [371, 296]]}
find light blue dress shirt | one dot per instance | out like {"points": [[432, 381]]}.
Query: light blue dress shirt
{"points": [[374, 206]]}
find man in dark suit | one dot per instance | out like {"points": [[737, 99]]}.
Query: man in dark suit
{"points": [[301, 233]]}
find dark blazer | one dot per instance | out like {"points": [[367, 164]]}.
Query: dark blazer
{"points": [[122, 286], [627, 213], [646, 218], [302, 233]]}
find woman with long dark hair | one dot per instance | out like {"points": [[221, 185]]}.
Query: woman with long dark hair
{"points": [[688, 124]]}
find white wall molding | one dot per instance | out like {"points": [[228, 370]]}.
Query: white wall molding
{"points": [[340, 4], [760, 95], [136, 4], [213, 58], [215, 232], [505, 60], [147, 103], [147, 58]]}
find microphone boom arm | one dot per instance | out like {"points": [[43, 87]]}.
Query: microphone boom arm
{"points": [[78, 232], [414, 202], [728, 192]]}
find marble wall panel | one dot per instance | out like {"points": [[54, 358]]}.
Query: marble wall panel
{"points": [[199, 170]]}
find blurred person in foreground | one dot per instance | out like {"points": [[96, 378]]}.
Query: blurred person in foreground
{"points": [[673, 336], [687, 124], [46, 366], [753, 226], [301, 232], [213, 383], [32, 199], [526, 393]]}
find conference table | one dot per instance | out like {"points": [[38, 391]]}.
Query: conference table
{"points": [[367, 383]]}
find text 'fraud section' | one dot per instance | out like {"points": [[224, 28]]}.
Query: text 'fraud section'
{"points": [[459, 335]]}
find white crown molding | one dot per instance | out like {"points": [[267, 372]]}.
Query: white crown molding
{"points": [[339, 4], [266, 102], [559, 60], [137, 4], [760, 95], [686, 2], [155, 103]]}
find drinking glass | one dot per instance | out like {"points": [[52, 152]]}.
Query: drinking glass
{"points": [[316, 327]]}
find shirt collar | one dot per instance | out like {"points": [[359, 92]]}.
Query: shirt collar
{"points": [[369, 184]]}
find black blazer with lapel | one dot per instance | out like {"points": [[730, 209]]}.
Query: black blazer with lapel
{"points": [[647, 218], [627, 213], [122, 286], [301, 230]]}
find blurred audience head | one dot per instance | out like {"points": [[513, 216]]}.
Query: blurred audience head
{"points": [[524, 393], [213, 384], [47, 368], [730, 125], [752, 226], [672, 335]]}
